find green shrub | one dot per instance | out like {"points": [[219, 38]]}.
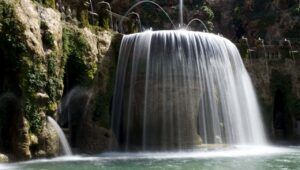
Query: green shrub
{"points": [[208, 11]]}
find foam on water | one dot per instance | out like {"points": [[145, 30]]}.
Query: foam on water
{"points": [[232, 152]]}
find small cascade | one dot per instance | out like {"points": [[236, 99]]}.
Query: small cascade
{"points": [[177, 89], [62, 138]]}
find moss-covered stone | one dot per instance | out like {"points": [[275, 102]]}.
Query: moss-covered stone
{"points": [[84, 18], [35, 50], [48, 39], [11, 29], [107, 75], [41, 58], [79, 70], [11, 38], [47, 3]]}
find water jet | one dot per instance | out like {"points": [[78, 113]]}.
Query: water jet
{"points": [[198, 20], [142, 2]]}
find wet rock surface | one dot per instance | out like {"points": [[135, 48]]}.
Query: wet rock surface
{"points": [[3, 158]]}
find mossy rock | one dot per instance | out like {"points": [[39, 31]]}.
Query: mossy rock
{"points": [[106, 76], [36, 72], [47, 3], [78, 64]]}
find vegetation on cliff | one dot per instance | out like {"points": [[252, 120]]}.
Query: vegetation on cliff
{"points": [[42, 59]]}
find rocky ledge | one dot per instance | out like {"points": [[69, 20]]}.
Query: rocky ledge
{"points": [[43, 58]]}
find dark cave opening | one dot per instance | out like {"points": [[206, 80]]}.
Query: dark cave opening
{"points": [[75, 98], [10, 93], [280, 115]]}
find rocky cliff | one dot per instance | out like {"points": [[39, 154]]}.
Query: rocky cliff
{"points": [[43, 58]]}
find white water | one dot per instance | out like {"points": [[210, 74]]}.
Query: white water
{"points": [[236, 151], [62, 138], [239, 157], [174, 86]]}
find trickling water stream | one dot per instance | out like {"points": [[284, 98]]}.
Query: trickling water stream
{"points": [[177, 89], [62, 138]]}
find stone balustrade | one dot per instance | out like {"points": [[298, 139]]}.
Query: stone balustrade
{"points": [[280, 50]]}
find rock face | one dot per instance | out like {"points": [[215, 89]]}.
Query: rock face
{"points": [[48, 142], [3, 158], [14, 128], [86, 106], [94, 139], [277, 82], [20, 140], [43, 58], [32, 35]]}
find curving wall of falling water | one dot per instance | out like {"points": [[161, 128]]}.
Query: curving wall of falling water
{"points": [[176, 89]]}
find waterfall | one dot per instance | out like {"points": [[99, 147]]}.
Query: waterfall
{"points": [[179, 88], [62, 138]]}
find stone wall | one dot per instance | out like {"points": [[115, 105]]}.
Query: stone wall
{"points": [[277, 83]]}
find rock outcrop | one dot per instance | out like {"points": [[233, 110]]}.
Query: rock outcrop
{"points": [[93, 138], [277, 82], [42, 58], [3, 158]]}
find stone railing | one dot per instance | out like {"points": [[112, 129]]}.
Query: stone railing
{"points": [[282, 49]]}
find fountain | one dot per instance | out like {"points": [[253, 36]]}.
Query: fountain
{"points": [[62, 138], [179, 88], [181, 13], [198, 20], [139, 3]]}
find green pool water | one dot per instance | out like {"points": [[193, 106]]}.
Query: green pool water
{"points": [[239, 158]]}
